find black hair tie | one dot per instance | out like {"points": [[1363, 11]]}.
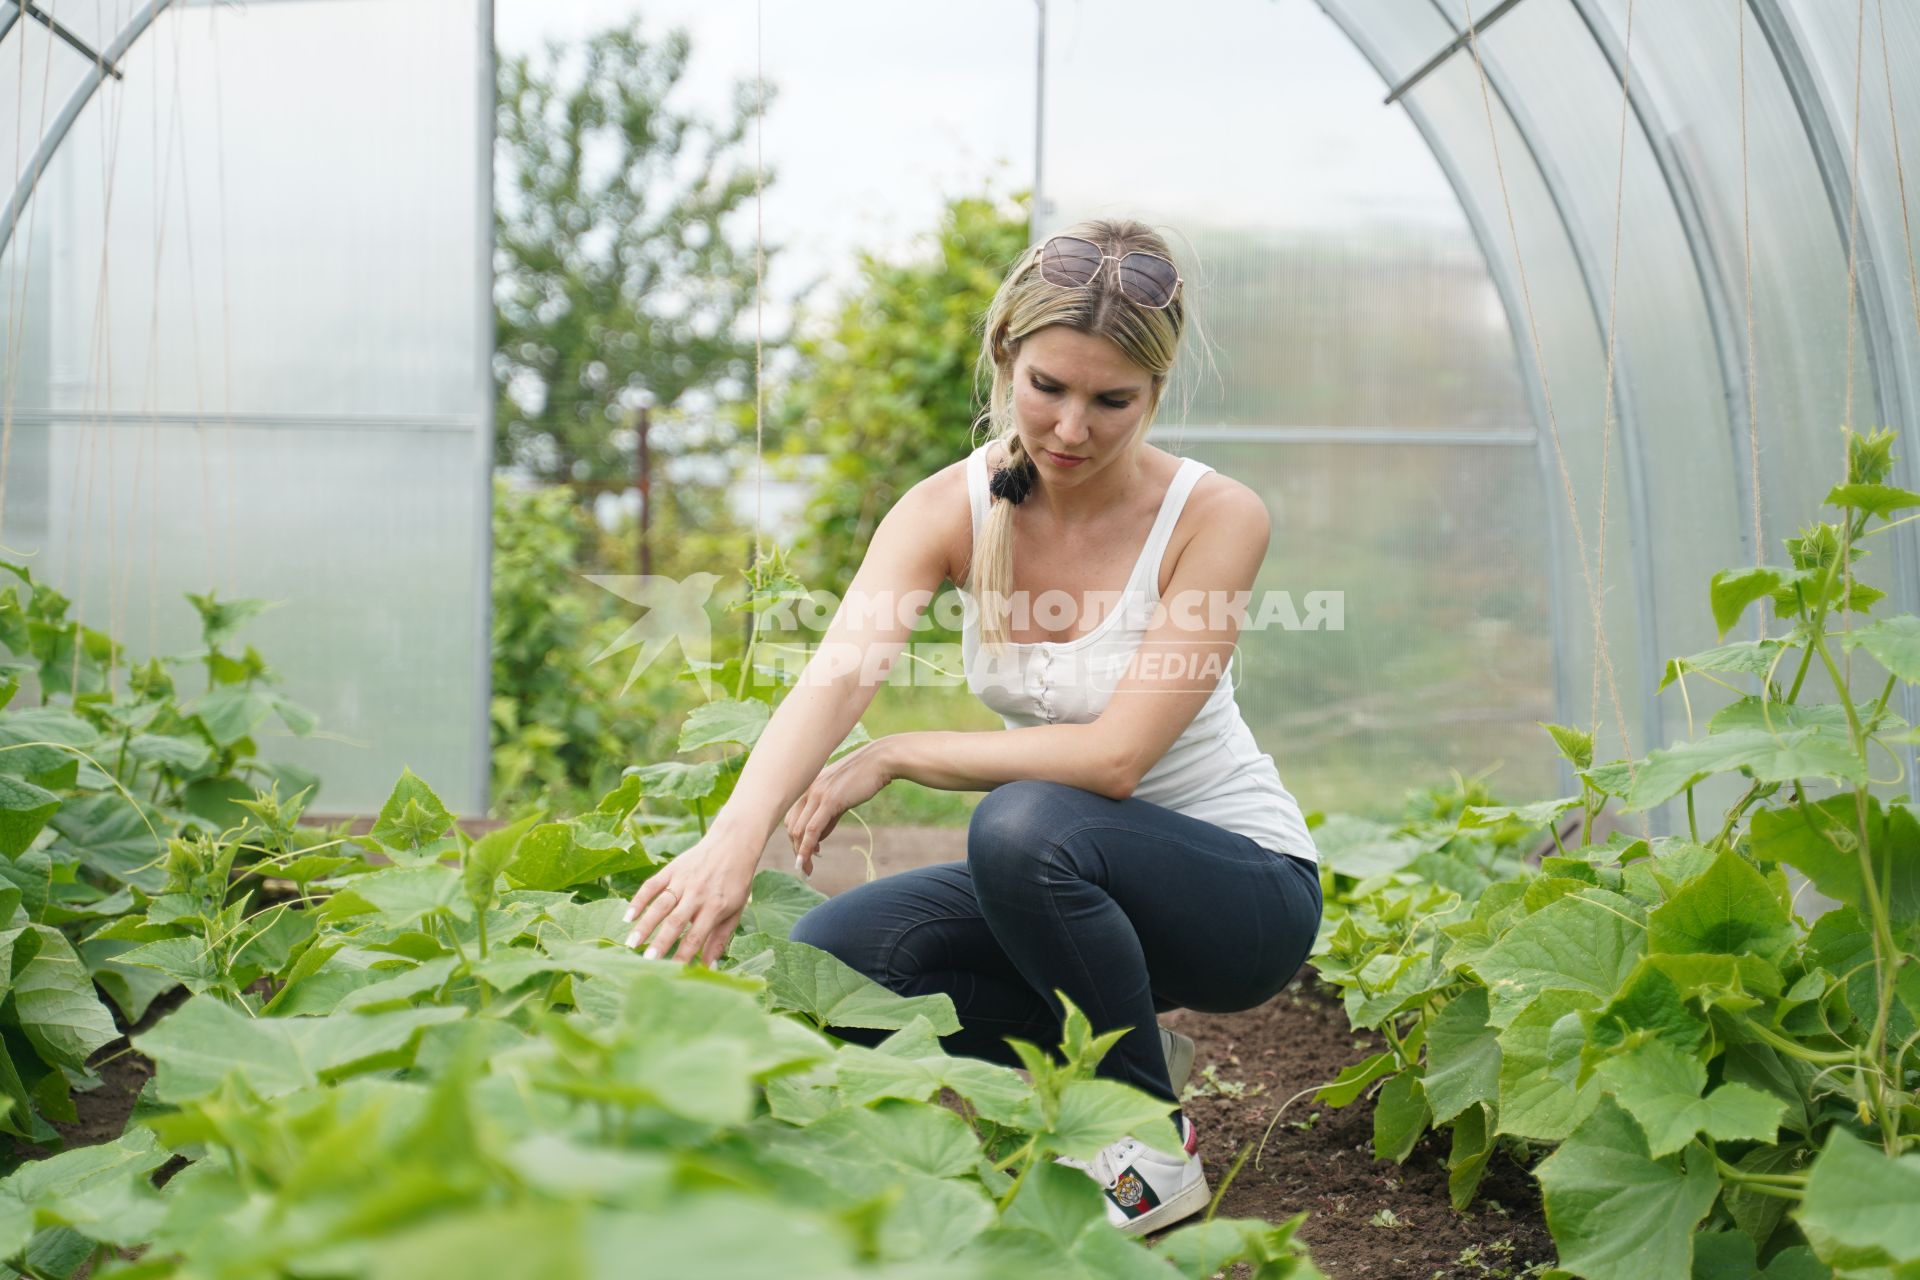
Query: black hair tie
{"points": [[1013, 481]]}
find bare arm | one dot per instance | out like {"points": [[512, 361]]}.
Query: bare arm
{"points": [[905, 564], [1076, 754]]}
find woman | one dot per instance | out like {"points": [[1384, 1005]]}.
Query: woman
{"points": [[1135, 849]]}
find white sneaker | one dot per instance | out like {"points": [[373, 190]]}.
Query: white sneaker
{"points": [[1147, 1189]]}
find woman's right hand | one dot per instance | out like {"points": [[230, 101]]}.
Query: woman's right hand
{"points": [[700, 894]]}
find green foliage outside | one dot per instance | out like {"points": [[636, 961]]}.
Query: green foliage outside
{"points": [[886, 395], [615, 273]]}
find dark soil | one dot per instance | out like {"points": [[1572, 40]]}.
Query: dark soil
{"points": [[1320, 1158]]}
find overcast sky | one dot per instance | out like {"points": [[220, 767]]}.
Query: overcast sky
{"points": [[888, 107]]}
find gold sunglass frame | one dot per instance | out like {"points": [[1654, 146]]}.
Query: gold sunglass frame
{"points": [[1039, 255]]}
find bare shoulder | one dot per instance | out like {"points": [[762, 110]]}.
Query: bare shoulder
{"points": [[1220, 498], [940, 515], [1226, 511]]}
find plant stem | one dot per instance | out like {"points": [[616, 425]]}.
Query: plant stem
{"points": [[1032, 1158], [1693, 826], [1794, 1049]]}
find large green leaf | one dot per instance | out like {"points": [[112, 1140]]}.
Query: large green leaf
{"points": [[402, 895], [57, 1007], [489, 855], [724, 720], [559, 855], [1463, 1056], [232, 712], [1586, 942], [1822, 841], [1728, 910], [1747, 657], [24, 810], [203, 1041], [911, 1064], [820, 985], [1541, 1095], [1400, 1116], [1816, 751], [1661, 1088], [1893, 642], [1616, 1212], [1732, 590], [1859, 1205], [777, 903]]}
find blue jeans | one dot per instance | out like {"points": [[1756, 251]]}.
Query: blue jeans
{"points": [[1129, 907]]}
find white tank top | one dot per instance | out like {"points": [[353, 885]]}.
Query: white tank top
{"points": [[1214, 771]]}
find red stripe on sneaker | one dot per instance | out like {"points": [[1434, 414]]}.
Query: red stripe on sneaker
{"points": [[1192, 1143]]}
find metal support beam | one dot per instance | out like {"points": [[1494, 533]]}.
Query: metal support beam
{"points": [[7, 19], [57, 132], [1452, 47], [1874, 250], [72, 41], [1509, 290], [1523, 436]]}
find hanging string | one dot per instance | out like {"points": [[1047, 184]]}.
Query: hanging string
{"points": [[1753, 372], [1899, 172], [1613, 301], [1546, 388], [759, 265], [231, 533], [1853, 222]]}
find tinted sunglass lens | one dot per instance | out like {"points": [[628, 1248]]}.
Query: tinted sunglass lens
{"points": [[1147, 278], [1069, 260]]}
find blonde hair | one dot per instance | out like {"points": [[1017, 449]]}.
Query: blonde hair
{"points": [[1025, 303]]}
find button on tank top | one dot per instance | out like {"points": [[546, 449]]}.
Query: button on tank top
{"points": [[1214, 771]]}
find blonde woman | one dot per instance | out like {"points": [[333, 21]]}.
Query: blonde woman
{"points": [[1136, 849]]}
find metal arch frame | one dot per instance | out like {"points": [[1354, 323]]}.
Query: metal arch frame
{"points": [[1889, 372], [1700, 248], [1633, 457], [1508, 290], [76, 102]]}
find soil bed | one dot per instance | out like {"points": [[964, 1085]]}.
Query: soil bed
{"points": [[1320, 1158]]}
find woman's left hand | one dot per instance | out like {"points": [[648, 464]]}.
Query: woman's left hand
{"points": [[848, 782]]}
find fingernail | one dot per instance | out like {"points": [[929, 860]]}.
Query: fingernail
{"points": [[633, 938], [652, 954], [796, 862], [628, 917]]}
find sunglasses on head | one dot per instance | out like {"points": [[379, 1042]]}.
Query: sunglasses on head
{"points": [[1145, 278]]}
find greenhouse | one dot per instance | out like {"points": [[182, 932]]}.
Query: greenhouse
{"points": [[392, 615]]}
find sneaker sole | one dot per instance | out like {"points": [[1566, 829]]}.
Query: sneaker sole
{"points": [[1184, 1204]]}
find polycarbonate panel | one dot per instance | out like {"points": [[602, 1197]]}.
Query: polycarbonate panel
{"points": [[1567, 358], [1673, 411], [1373, 328], [1442, 658], [257, 330], [1799, 274], [1335, 305]]}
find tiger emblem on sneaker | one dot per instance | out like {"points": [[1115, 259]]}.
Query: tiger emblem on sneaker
{"points": [[1128, 1190]]}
